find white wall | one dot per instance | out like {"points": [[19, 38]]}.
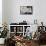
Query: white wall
{"points": [[16, 11], [4, 11], [12, 11], [0, 13]]}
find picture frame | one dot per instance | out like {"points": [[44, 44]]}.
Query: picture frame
{"points": [[26, 10]]}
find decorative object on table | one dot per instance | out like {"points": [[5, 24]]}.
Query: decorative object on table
{"points": [[23, 23], [26, 10], [41, 28], [28, 33], [35, 21], [29, 37], [14, 24], [42, 23]]}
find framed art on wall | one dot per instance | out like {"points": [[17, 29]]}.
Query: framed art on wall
{"points": [[26, 10]]}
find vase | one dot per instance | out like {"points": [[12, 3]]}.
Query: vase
{"points": [[2, 40]]}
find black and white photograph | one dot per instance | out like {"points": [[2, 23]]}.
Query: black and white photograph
{"points": [[28, 10]]}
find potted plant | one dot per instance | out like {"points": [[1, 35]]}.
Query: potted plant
{"points": [[3, 34]]}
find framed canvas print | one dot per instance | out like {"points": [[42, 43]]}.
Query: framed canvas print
{"points": [[27, 10]]}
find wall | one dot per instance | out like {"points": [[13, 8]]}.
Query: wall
{"points": [[16, 11], [4, 11], [0, 13], [12, 11]]}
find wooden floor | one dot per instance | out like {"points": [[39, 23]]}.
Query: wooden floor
{"points": [[32, 45], [2, 45]]}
